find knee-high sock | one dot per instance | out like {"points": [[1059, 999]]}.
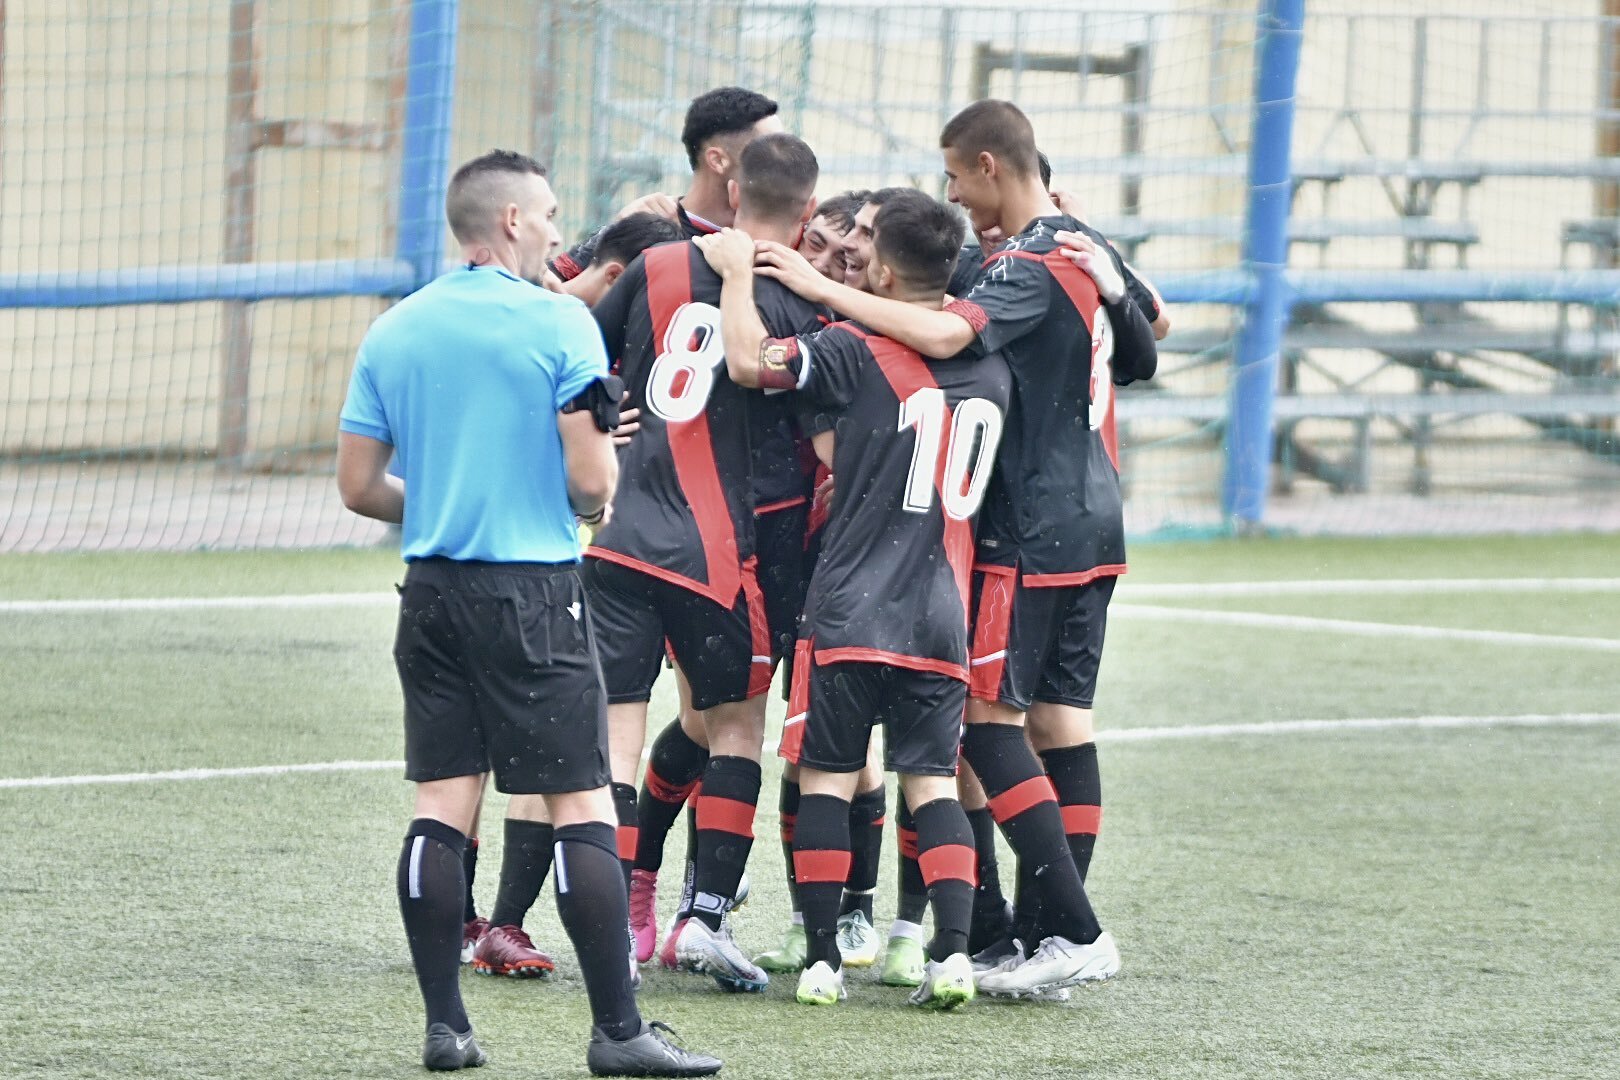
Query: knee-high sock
{"points": [[1024, 805], [432, 889], [987, 895], [945, 853], [913, 898], [469, 870], [624, 807], [725, 834], [788, 808], [673, 769], [821, 863], [595, 911], [866, 816], [525, 862], [1073, 770]]}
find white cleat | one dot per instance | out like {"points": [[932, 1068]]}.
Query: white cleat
{"points": [[819, 984], [714, 953], [947, 984], [1059, 963], [858, 942]]}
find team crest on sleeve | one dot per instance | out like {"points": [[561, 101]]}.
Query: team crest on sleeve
{"points": [[779, 363]]}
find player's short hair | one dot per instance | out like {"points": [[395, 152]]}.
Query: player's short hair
{"points": [[628, 237], [480, 188], [1044, 164], [840, 209], [919, 237], [996, 127], [726, 110], [777, 177], [883, 195]]}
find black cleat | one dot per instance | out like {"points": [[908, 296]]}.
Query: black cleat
{"points": [[445, 1051], [648, 1054]]}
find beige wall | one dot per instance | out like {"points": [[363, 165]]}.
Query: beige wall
{"points": [[113, 126]]}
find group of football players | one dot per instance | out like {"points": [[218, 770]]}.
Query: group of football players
{"points": [[874, 443]]}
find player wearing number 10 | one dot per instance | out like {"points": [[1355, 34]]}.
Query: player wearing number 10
{"points": [[676, 562]]}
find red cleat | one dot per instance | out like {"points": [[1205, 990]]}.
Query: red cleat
{"points": [[507, 950], [471, 935]]}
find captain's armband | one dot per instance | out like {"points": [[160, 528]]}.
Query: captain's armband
{"points": [[602, 399], [781, 364]]}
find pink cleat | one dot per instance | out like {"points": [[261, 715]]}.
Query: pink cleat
{"points": [[644, 913]]}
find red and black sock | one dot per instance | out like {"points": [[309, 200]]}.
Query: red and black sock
{"points": [[1025, 806], [725, 834], [866, 817], [946, 855], [987, 894], [525, 862], [788, 807], [674, 767], [821, 863], [595, 909], [432, 891], [624, 807], [913, 898], [469, 869], [1073, 770]]}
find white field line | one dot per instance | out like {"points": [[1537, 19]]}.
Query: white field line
{"points": [[1362, 629], [1194, 731], [1370, 587]]}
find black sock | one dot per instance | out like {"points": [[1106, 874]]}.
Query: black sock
{"points": [[624, 806], [689, 871], [673, 768], [595, 911], [946, 855], [469, 870], [788, 807], [866, 812], [725, 834], [821, 863], [987, 895], [525, 862], [913, 899], [1027, 907], [432, 896], [1024, 805], [1073, 770]]}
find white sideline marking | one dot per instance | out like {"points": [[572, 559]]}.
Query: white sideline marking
{"points": [[1194, 731], [184, 603], [1366, 587], [1363, 629]]}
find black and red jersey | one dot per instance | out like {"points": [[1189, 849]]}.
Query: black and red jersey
{"points": [[684, 510], [1054, 505], [571, 263], [914, 448]]}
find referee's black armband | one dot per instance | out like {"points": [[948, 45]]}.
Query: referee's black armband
{"points": [[602, 398]]}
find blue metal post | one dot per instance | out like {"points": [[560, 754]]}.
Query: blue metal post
{"points": [[425, 148], [1265, 257]]}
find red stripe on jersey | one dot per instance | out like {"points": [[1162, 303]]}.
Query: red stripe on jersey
{"points": [[907, 374], [861, 655], [987, 651], [1082, 293], [1020, 797], [627, 836], [974, 315], [1081, 820], [659, 572], [785, 504], [1077, 577], [760, 667], [821, 867], [949, 862], [669, 286], [720, 814]]}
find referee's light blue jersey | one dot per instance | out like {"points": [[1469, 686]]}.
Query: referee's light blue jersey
{"points": [[464, 379]]}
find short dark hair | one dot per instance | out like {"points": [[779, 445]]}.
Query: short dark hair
{"points": [[1045, 165], [777, 177], [727, 110], [919, 237], [469, 200], [996, 127], [840, 209], [884, 195], [628, 237]]}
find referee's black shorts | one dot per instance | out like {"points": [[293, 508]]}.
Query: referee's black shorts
{"points": [[499, 668]]}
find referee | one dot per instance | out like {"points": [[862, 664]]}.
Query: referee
{"points": [[494, 395]]}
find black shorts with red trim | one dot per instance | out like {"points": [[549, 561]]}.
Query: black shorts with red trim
{"points": [[784, 573], [498, 664], [833, 707], [724, 652], [1037, 642]]}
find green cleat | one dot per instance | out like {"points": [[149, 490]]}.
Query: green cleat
{"points": [[786, 957], [821, 985], [945, 985], [903, 963]]}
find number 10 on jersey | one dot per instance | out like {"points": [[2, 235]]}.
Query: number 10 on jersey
{"points": [[970, 451]]}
